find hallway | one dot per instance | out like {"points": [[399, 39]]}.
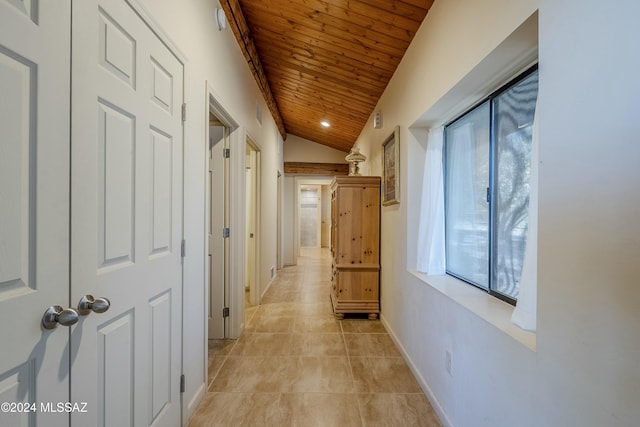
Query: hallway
{"points": [[295, 365]]}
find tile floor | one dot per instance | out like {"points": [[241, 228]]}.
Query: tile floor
{"points": [[296, 365]]}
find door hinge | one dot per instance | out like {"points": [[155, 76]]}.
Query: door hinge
{"points": [[226, 152], [226, 232], [488, 195], [184, 112], [183, 248], [183, 386], [225, 312]]}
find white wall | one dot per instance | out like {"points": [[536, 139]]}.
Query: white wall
{"points": [[585, 370], [214, 56]]}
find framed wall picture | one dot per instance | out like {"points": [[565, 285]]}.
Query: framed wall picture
{"points": [[391, 169]]}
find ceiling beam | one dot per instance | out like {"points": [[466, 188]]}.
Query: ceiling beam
{"points": [[242, 33], [316, 168]]}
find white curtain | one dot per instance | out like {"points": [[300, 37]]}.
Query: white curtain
{"points": [[467, 214], [431, 253], [524, 314]]}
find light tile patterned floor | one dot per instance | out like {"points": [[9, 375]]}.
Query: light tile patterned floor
{"points": [[296, 365]]}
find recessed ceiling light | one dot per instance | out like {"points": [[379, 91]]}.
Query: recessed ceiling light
{"points": [[325, 123]]}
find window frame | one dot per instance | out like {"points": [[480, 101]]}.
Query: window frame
{"points": [[493, 188]]}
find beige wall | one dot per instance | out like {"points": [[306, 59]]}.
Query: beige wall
{"points": [[298, 149], [589, 239], [584, 370]]}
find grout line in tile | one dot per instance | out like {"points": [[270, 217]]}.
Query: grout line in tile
{"points": [[296, 286]]}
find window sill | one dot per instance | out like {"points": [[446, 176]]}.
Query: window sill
{"points": [[491, 309]]}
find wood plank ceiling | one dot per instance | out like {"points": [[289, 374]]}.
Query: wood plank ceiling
{"points": [[318, 60]]}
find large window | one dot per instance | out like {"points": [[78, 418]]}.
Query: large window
{"points": [[487, 161]]}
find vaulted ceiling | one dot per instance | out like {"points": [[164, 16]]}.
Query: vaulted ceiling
{"points": [[324, 60]]}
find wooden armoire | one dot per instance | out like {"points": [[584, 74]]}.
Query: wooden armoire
{"points": [[355, 245]]}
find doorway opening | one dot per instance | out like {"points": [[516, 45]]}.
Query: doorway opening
{"points": [[312, 207], [252, 222], [224, 314]]}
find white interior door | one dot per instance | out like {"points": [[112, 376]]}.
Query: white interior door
{"points": [[252, 204], [309, 216], [34, 208], [126, 210], [217, 242]]}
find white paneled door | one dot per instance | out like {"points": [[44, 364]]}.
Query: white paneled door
{"points": [[126, 210], [91, 206], [218, 244], [34, 209]]}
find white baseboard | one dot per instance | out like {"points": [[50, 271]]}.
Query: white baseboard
{"points": [[446, 422], [275, 276], [194, 402]]}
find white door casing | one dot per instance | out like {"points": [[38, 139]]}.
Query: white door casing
{"points": [[234, 218], [325, 216], [34, 208], [126, 210]]}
